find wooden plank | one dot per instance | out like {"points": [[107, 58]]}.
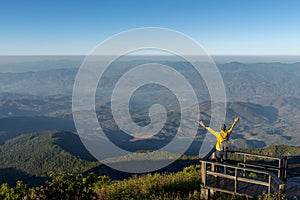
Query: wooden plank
{"points": [[293, 156], [220, 175], [276, 179], [257, 182], [253, 164], [239, 168], [293, 166], [229, 192], [255, 155], [247, 189]]}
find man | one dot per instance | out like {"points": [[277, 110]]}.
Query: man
{"points": [[221, 136]]}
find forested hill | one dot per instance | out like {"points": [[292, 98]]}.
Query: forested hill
{"points": [[38, 154], [30, 157], [184, 184]]}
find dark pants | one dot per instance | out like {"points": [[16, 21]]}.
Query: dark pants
{"points": [[221, 157]]}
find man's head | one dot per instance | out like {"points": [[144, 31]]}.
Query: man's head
{"points": [[223, 127]]}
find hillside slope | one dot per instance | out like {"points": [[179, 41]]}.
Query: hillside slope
{"points": [[32, 157], [37, 154]]}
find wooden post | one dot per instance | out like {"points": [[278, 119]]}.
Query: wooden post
{"points": [[281, 190], [269, 186], [279, 169], [205, 193], [244, 164], [235, 180], [285, 168], [203, 173]]}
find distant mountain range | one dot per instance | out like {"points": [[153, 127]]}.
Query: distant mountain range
{"points": [[266, 97], [50, 82], [247, 82], [271, 122]]}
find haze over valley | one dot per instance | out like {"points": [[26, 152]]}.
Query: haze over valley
{"points": [[265, 95]]}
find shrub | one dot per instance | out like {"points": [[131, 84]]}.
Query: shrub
{"points": [[154, 186], [71, 186]]}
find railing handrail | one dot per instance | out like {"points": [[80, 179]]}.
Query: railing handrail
{"points": [[292, 156], [291, 166], [271, 175], [242, 168], [276, 179], [262, 166], [280, 168], [265, 169], [256, 155]]}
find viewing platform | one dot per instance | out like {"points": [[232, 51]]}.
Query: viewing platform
{"points": [[250, 175]]}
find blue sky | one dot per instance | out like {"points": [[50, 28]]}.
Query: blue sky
{"points": [[255, 27]]}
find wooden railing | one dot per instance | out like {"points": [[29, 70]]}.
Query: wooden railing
{"points": [[277, 165], [266, 173], [238, 176], [292, 166]]}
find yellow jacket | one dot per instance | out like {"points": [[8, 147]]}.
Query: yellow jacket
{"points": [[220, 135]]}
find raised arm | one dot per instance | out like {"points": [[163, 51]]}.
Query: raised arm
{"points": [[233, 125], [215, 133], [202, 124]]}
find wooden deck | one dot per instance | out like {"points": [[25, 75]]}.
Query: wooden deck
{"points": [[293, 188], [249, 178], [248, 189]]}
